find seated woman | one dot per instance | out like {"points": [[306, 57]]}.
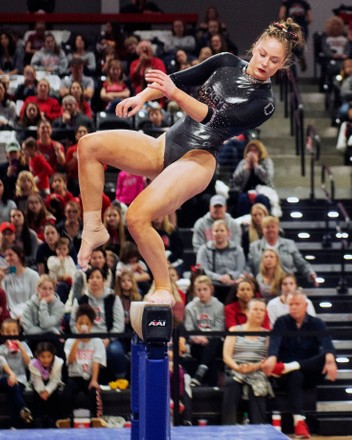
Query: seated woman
{"points": [[19, 283], [222, 260], [256, 168], [109, 318], [236, 306], [205, 313], [270, 274], [244, 357], [26, 238]]}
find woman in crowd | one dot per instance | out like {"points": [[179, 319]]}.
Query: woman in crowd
{"points": [[79, 50], [19, 281], [109, 319], [270, 274], [187, 157], [26, 238], [6, 204], [25, 186], [243, 357], [50, 57], [256, 168]]}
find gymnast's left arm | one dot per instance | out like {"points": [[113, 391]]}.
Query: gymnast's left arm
{"points": [[159, 80]]}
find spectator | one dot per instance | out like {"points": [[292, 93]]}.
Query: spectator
{"points": [[128, 186], [11, 57], [205, 313], [84, 359], [15, 163], [38, 165], [253, 231], [256, 168], [49, 106], [62, 268], [172, 240], [25, 186], [71, 164], [9, 384], [29, 85], [304, 361], [146, 60], [114, 223], [77, 91], [222, 260], [79, 51], [127, 290], [270, 274], [290, 257], [202, 230], [19, 283], [7, 108], [50, 57], [46, 377], [72, 117], [6, 204], [47, 248], [114, 88], [71, 226], [44, 311], [130, 259], [38, 215], [26, 238], [278, 306], [76, 68], [244, 357], [236, 311], [109, 318], [53, 151], [35, 40]]}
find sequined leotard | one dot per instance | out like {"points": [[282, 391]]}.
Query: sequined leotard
{"points": [[236, 101]]}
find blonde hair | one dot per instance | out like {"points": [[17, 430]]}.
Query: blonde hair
{"points": [[275, 282], [263, 153], [134, 293], [25, 175], [253, 231], [44, 279], [289, 34]]}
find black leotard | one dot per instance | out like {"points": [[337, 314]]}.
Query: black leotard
{"points": [[236, 101]]}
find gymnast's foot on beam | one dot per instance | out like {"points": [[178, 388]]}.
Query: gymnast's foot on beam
{"points": [[94, 235]]}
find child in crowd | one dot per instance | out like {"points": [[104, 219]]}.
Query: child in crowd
{"points": [[84, 358], [62, 267], [127, 290], [16, 356], [45, 371], [205, 313]]}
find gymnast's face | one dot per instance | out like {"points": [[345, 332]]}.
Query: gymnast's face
{"points": [[268, 57]]}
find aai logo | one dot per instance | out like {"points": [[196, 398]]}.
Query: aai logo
{"points": [[157, 323]]}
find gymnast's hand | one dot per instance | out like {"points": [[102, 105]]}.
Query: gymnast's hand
{"points": [[159, 80], [129, 106]]}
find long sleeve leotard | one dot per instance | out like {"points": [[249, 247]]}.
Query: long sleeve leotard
{"points": [[236, 101]]}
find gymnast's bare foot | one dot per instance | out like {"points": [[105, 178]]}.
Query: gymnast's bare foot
{"points": [[161, 297], [90, 241]]}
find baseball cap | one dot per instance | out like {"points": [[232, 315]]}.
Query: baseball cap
{"points": [[7, 225], [12, 146], [218, 200]]}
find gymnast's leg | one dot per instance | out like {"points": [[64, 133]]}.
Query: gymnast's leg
{"points": [[125, 149], [166, 193]]}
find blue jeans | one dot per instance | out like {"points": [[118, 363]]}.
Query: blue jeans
{"points": [[116, 360]]}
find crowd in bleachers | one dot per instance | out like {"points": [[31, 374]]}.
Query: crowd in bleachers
{"points": [[68, 90]]}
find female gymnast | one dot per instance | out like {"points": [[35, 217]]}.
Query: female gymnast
{"points": [[234, 96]]}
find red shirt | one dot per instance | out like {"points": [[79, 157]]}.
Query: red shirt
{"points": [[41, 169], [50, 107], [235, 316]]}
